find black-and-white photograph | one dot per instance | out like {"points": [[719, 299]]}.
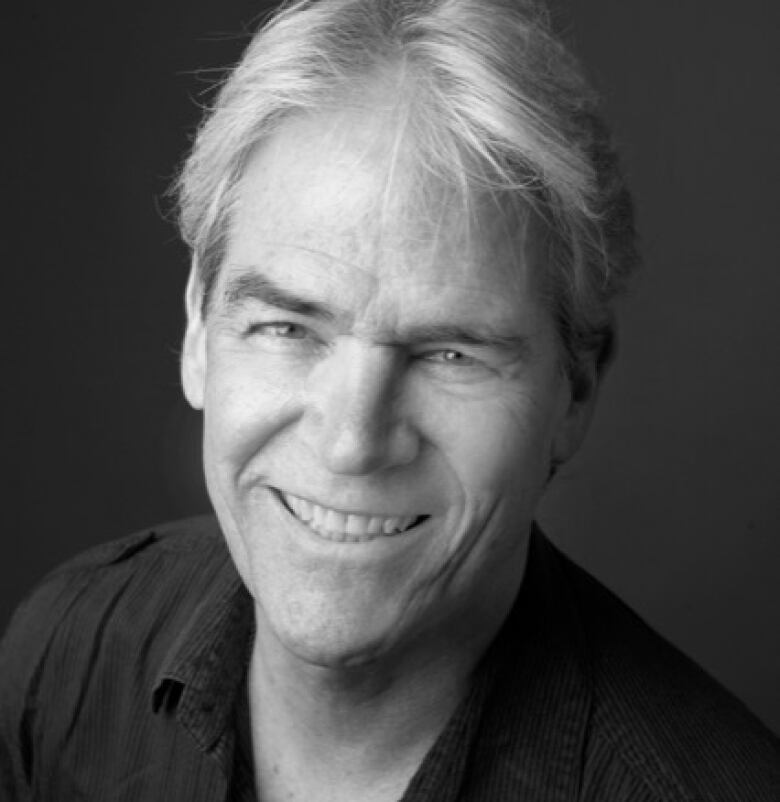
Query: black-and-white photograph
{"points": [[392, 402]]}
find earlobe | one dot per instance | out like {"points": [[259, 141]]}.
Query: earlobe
{"points": [[193, 357]]}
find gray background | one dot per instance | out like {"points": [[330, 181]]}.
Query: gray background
{"points": [[674, 501]]}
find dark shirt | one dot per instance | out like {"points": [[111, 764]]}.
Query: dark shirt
{"points": [[122, 677]]}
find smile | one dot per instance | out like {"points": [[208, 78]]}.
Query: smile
{"points": [[346, 527]]}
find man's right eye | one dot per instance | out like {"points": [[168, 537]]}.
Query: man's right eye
{"points": [[280, 329]]}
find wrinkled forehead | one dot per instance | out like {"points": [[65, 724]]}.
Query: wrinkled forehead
{"points": [[353, 184]]}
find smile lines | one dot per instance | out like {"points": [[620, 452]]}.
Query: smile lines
{"points": [[346, 527]]}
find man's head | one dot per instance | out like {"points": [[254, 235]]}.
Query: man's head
{"points": [[484, 98], [407, 227]]}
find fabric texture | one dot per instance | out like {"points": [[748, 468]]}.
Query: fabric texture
{"points": [[122, 677]]}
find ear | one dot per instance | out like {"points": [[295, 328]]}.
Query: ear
{"points": [[193, 357], [583, 394]]}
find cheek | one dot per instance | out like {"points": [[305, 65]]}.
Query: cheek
{"points": [[246, 404], [495, 446]]}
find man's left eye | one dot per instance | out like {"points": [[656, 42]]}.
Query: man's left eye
{"points": [[450, 356]]}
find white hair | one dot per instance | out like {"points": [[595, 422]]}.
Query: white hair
{"points": [[493, 103]]}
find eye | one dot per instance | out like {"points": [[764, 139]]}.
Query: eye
{"points": [[279, 329], [450, 357]]}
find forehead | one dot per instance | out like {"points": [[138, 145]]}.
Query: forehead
{"points": [[346, 189]]}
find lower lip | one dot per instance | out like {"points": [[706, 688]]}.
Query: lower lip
{"points": [[343, 537]]}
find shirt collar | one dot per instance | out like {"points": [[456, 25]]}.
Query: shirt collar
{"points": [[203, 670]]}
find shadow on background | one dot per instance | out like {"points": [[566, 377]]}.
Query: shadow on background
{"points": [[673, 503]]}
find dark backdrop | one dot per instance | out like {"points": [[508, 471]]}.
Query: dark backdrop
{"points": [[674, 501]]}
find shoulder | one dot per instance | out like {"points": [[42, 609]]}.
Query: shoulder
{"points": [[661, 718], [180, 545], [84, 649], [115, 590]]}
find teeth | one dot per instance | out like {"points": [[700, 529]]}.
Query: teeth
{"points": [[300, 507], [335, 521], [357, 524], [345, 527], [318, 516], [305, 510], [390, 525], [374, 525]]}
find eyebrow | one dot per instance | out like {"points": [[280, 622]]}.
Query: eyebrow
{"points": [[254, 286], [477, 336]]}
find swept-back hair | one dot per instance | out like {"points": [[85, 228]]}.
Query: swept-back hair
{"points": [[496, 104]]}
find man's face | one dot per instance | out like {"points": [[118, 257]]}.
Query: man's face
{"points": [[382, 400]]}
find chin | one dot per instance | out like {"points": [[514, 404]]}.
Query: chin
{"points": [[335, 650], [327, 638]]}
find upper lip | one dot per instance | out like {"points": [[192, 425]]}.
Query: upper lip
{"points": [[346, 510]]}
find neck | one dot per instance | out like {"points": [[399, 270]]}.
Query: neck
{"points": [[359, 732], [360, 728]]}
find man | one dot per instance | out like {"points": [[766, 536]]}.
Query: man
{"points": [[407, 227]]}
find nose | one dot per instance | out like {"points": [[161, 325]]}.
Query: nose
{"points": [[356, 410]]}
